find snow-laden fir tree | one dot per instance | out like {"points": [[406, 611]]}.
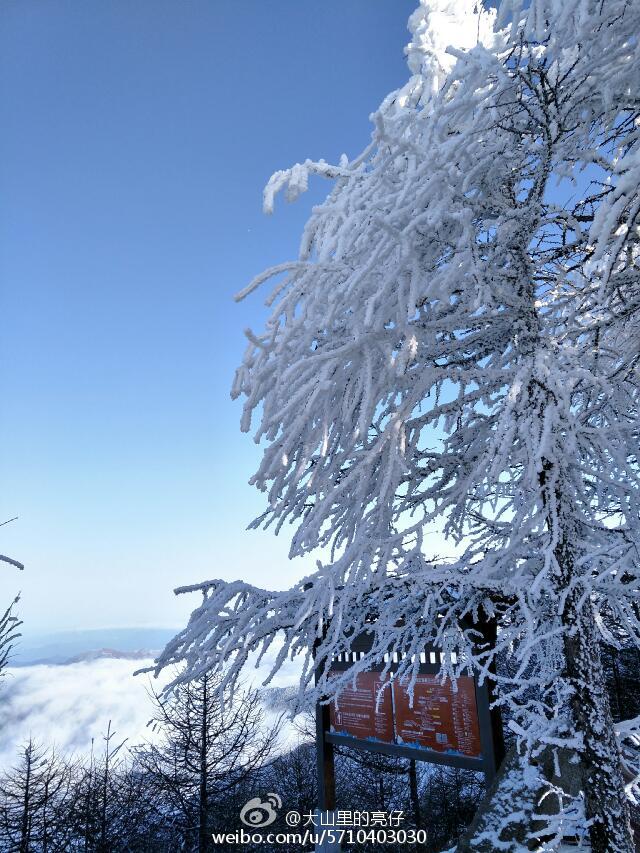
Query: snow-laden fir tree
{"points": [[447, 387]]}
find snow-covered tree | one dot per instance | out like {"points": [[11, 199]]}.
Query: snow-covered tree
{"points": [[447, 387]]}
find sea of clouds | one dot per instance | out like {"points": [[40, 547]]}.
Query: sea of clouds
{"points": [[69, 706]]}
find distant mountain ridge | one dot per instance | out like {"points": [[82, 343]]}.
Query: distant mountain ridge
{"points": [[67, 647], [116, 654], [93, 655]]}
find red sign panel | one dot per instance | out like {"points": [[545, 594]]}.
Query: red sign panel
{"points": [[442, 719], [355, 711]]}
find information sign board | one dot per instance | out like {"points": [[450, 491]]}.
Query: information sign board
{"points": [[443, 718], [365, 710], [438, 721]]}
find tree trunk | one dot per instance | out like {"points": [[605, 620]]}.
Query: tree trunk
{"points": [[87, 801], [105, 794], [605, 801], [25, 823], [413, 791], [617, 709], [103, 811], [45, 816], [203, 838]]}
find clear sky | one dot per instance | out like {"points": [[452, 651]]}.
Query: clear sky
{"points": [[136, 140]]}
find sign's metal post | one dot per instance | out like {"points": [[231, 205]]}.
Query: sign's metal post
{"points": [[325, 761], [490, 719], [490, 632], [490, 760], [326, 772]]}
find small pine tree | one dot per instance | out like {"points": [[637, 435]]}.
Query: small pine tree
{"points": [[36, 797], [207, 744]]}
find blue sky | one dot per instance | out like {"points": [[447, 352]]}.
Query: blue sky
{"points": [[137, 138]]}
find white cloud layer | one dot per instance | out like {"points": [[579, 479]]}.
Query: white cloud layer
{"points": [[68, 706]]}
